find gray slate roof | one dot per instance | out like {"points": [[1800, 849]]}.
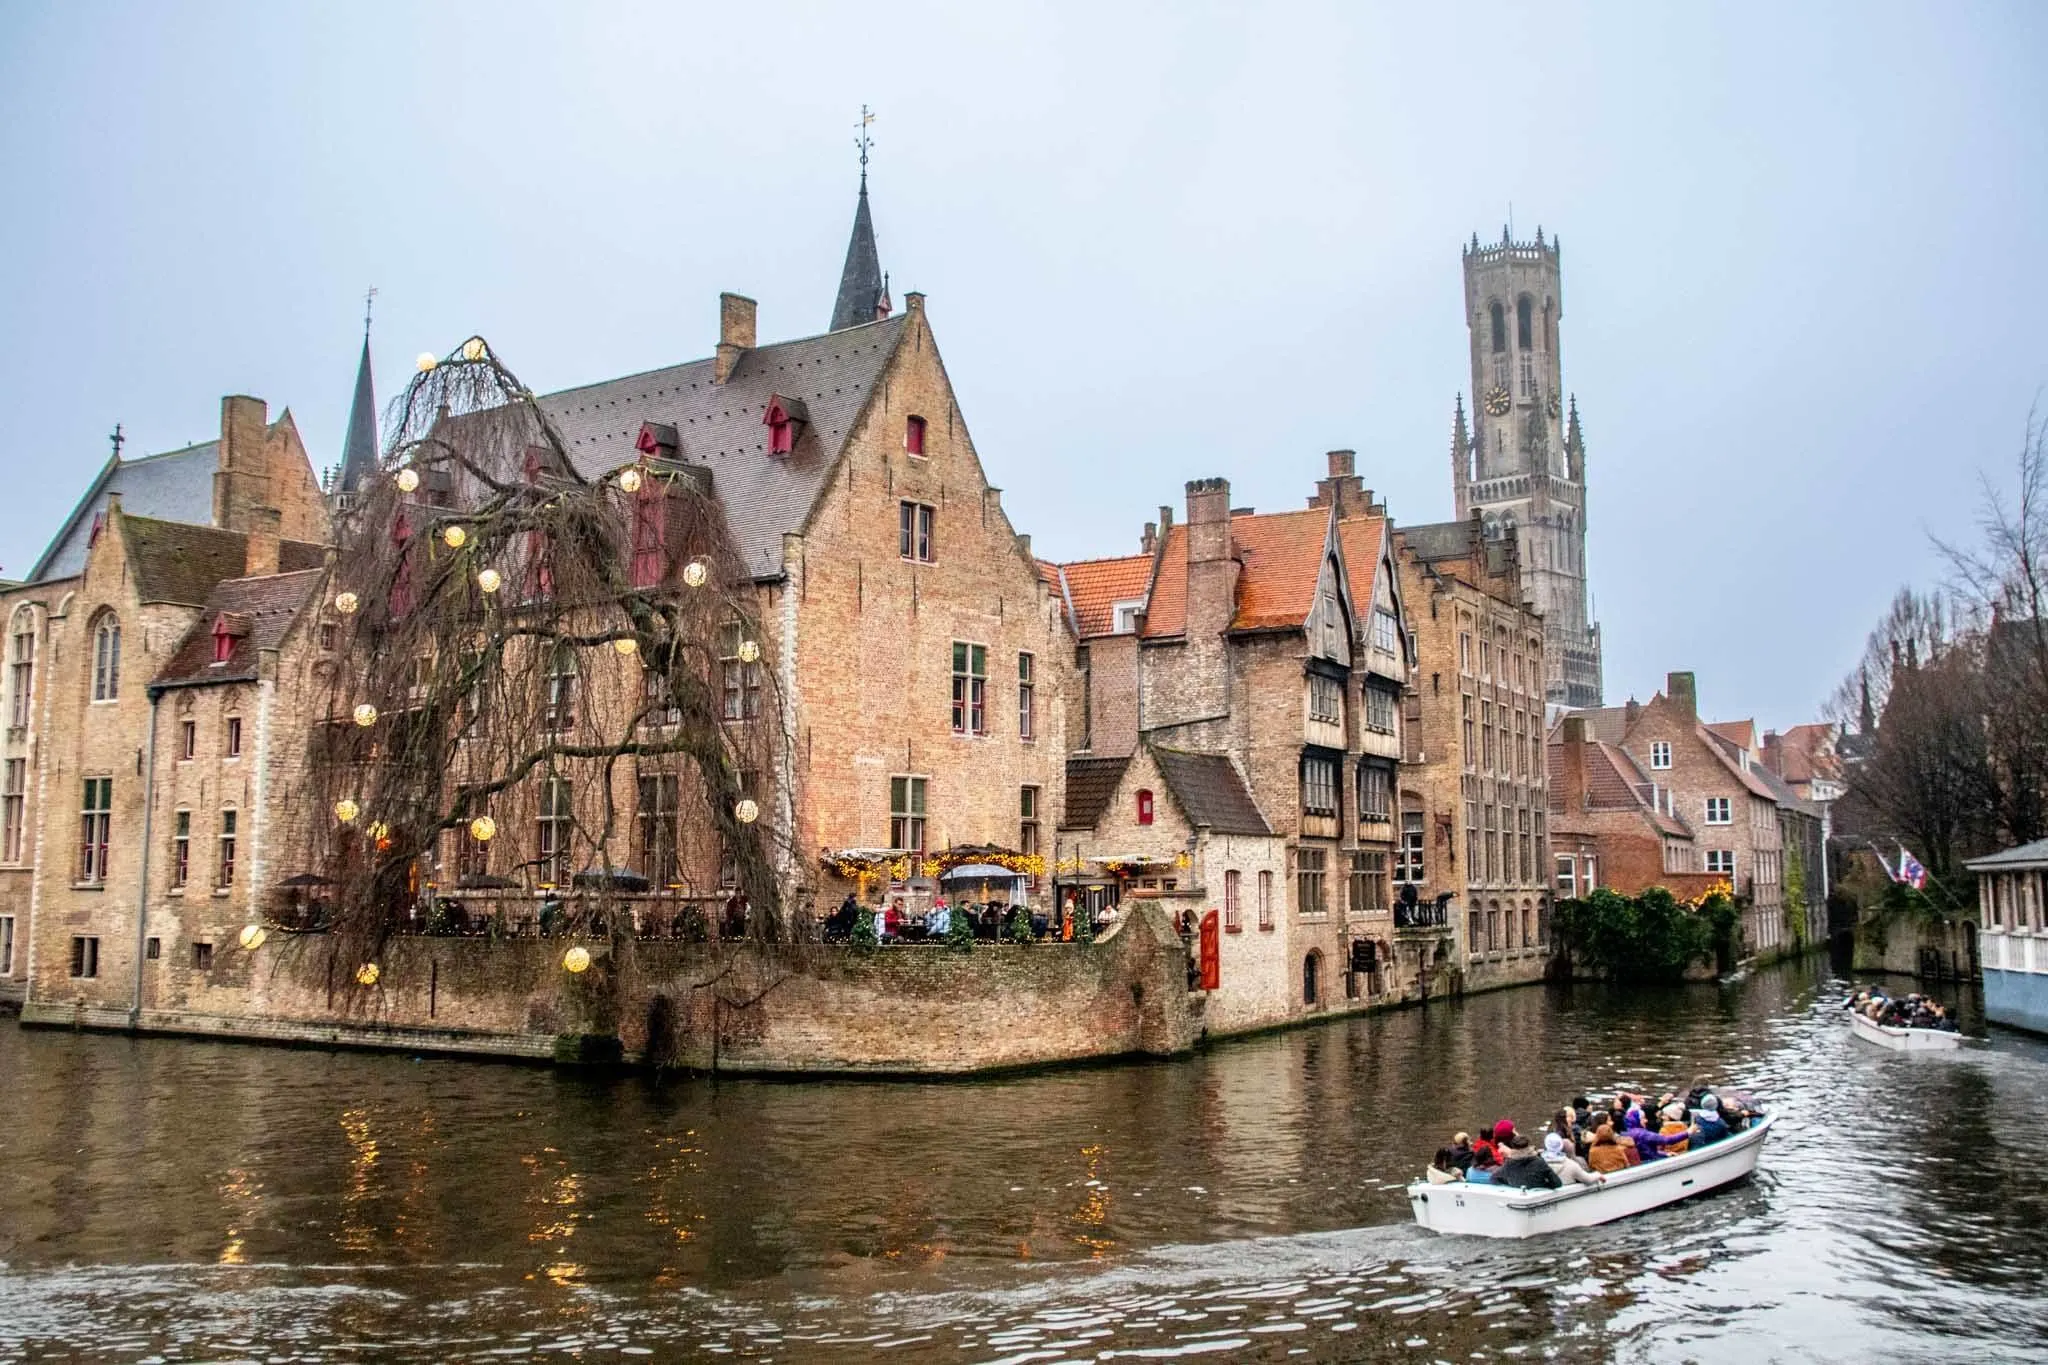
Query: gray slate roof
{"points": [[174, 486], [860, 282], [1209, 792], [1090, 784], [2026, 855], [266, 608], [1437, 539], [720, 426]]}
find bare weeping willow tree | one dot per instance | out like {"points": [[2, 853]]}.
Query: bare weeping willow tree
{"points": [[544, 684]]}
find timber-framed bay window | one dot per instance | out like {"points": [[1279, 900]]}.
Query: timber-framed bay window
{"points": [[1311, 875], [739, 680], [1319, 793], [1375, 791]]}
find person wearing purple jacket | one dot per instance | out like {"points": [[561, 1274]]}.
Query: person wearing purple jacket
{"points": [[1650, 1144]]}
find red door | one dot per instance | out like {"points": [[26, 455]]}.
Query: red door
{"points": [[1212, 958]]}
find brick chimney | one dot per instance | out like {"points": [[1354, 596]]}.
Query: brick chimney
{"points": [[1684, 694], [1149, 542], [1343, 488], [1212, 573], [735, 334], [241, 476], [263, 536], [1572, 743]]}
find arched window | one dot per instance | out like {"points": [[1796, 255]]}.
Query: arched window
{"points": [[106, 657], [21, 668], [1525, 326], [1500, 326], [1144, 806], [1311, 977]]}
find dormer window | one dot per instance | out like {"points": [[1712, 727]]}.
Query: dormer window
{"points": [[223, 639], [1144, 806], [913, 435], [658, 441], [1124, 616], [785, 420]]}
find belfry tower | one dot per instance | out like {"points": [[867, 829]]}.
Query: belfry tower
{"points": [[1521, 463]]}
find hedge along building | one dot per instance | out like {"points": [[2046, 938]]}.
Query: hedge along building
{"points": [[1277, 643]]}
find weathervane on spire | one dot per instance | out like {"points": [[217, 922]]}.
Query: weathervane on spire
{"points": [[368, 298], [864, 142]]}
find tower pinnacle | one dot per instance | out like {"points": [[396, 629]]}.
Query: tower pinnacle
{"points": [[861, 291], [359, 445]]}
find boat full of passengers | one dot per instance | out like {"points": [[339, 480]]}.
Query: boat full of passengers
{"points": [[1596, 1163], [1913, 1023]]}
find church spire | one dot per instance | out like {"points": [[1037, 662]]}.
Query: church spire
{"points": [[359, 447], [861, 292], [1461, 459]]}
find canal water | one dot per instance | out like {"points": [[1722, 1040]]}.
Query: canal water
{"points": [[175, 1200]]}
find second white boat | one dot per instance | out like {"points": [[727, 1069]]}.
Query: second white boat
{"points": [[1903, 1039]]}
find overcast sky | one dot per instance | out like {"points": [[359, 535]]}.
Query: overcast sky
{"points": [[1803, 250]]}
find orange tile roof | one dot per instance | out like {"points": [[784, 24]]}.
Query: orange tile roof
{"points": [[1362, 539], [1740, 733], [1280, 556], [1095, 586]]}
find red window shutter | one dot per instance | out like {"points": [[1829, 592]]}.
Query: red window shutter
{"points": [[1144, 807], [223, 643], [913, 435], [540, 571], [401, 580], [781, 435], [650, 535]]}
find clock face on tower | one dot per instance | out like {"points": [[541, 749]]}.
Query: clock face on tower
{"points": [[1497, 400]]}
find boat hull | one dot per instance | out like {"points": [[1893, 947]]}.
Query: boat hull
{"points": [[1487, 1211], [1903, 1039]]}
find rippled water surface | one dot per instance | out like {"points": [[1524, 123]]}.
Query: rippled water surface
{"points": [[171, 1200]]}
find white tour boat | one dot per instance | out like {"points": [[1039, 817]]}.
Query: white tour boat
{"points": [[1498, 1211], [1903, 1039]]}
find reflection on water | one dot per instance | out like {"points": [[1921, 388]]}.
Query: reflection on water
{"points": [[188, 1199]]}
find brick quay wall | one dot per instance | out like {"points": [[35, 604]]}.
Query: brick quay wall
{"points": [[807, 1010]]}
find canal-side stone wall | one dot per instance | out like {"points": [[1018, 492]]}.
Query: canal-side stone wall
{"points": [[813, 1009], [1895, 941]]}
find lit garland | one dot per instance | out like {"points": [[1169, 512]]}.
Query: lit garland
{"points": [[856, 864]]}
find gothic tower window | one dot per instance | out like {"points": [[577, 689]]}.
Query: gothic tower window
{"points": [[1524, 328], [1500, 326]]}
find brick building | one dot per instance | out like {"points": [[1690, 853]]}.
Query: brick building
{"points": [[1716, 786], [1278, 644], [1611, 825], [1474, 798], [108, 605]]}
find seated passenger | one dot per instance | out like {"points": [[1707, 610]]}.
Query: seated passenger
{"points": [[1485, 1154], [1649, 1146], [1557, 1155], [1444, 1170], [1461, 1150], [1676, 1127], [1708, 1127], [1606, 1155], [1525, 1169]]}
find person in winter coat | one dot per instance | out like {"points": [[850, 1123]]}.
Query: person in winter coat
{"points": [[1526, 1169], [1707, 1124], [1606, 1156], [1650, 1146], [1461, 1151], [1675, 1127], [1558, 1156]]}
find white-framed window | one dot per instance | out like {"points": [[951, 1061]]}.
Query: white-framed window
{"points": [[907, 812], [1265, 900], [224, 868], [1660, 753], [21, 668], [1408, 861], [95, 826], [970, 689], [1567, 876], [914, 531], [106, 659], [1232, 889], [233, 738], [1027, 697], [1383, 632], [1325, 700], [1718, 812], [13, 799], [1721, 861], [556, 811], [1375, 791], [1124, 616]]}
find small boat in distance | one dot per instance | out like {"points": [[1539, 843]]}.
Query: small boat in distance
{"points": [[1502, 1211], [1904, 1039]]}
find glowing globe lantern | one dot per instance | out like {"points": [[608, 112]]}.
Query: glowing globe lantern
{"points": [[749, 651], [576, 960], [483, 829], [367, 974], [490, 580], [626, 645], [252, 936], [408, 480], [455, 537], [473, 349], [695, 574], [366, 715], [746, 812], [346, 603], [426, 362], [629, 480], [346, 811]]}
